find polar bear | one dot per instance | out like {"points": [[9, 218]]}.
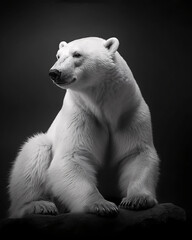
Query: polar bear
{"points": [[100, 145]]}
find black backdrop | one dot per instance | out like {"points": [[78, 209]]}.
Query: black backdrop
{"points": [[155, 39]]}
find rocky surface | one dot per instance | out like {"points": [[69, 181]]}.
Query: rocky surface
{"points": [[165, 218]]}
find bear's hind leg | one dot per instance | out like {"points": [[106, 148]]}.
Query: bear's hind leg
{"points": [[27, 183], [138, 180]]}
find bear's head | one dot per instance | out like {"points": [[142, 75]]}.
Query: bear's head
{"points": [[83, 62]]}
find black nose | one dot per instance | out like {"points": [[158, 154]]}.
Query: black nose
{"points": [[54, 75]]}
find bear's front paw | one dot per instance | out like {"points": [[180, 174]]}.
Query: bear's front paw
{"points": [[139, 202], [40, 207], [103, 208]]}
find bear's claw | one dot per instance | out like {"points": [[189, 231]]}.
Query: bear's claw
{"points": [[138, 202], [40, 207], [103, 208]]}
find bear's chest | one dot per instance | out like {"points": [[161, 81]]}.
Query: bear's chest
{"points": [[122, 135]]}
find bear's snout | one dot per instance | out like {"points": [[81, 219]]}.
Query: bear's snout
{"points": [[55, 75]]}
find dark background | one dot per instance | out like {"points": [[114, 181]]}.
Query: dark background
{"points": [[155, 39]]}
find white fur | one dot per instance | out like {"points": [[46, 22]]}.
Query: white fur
{"points": [[103, 129]]}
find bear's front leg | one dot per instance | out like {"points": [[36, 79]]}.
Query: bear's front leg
{"points": [[72, 181], [139, 175]]}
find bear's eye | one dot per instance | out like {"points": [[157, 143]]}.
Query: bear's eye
{"points": [[76, 55], [57, 56]]}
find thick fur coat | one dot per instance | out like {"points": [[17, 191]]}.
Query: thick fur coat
{"points": [[100, 145]]}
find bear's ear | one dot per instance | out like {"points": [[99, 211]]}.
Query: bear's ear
{"points": [[112, 44], [62, 44]]}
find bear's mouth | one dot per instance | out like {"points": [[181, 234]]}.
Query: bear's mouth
{"points": [[64, 82]]}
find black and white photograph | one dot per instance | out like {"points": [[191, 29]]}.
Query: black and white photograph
{"points": [[96, 119]]}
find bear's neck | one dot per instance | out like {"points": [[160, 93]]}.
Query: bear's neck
{"points": [[118, 93]]}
